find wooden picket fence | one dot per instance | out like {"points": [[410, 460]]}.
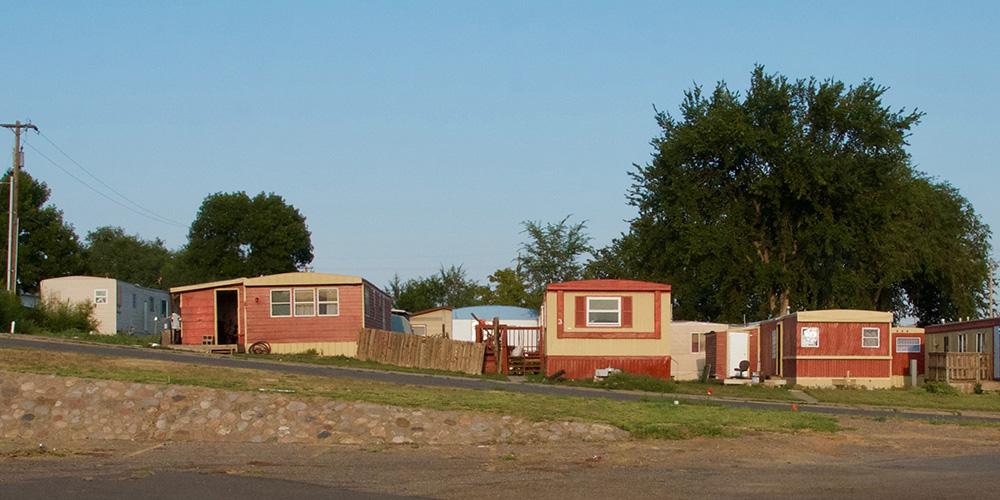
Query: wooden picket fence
{"points": [[401, 349]]}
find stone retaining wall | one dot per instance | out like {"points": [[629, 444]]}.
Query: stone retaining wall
{"points": [[54, 408]]}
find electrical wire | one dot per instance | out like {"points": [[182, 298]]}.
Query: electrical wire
{"points": [[151, 214]]}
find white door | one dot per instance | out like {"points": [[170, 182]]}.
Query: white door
{"points": [[738, 349]]}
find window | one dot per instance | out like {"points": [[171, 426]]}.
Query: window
{"points": [[604, 311], [697, 342], [152, 306], [305, 302], [980, 342], [133, 301], [962, 343], [869, 337], [907, 344], [100, 296], [281, 303], [328, 301], [420, 330], [163, 308], [810, 336]]}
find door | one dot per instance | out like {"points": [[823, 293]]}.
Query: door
{"points": [[227, 318], [738, 349]]}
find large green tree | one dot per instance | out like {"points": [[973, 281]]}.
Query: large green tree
{"points": [[235, 235], [47, 246], [798, 195], [108, 251], [552, 254]]}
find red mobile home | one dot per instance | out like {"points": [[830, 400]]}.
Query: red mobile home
{"points": [[293, 312], [595, 324], [831, 347]]}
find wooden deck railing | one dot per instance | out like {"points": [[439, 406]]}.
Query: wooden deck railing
{"points": [[958, 366]]}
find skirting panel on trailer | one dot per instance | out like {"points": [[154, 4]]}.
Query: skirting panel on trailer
{"points": [[585, 366]]}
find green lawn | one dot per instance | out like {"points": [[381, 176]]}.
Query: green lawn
{"points": [[657, 418]]}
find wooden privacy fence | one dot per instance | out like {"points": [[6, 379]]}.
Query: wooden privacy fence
{"points": [[958, 366], [401, 349]]}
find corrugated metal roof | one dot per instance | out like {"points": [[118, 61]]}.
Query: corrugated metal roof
{"points": [[490, 312]]}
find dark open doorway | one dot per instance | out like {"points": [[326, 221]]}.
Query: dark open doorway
{"points": [[227, 317]]}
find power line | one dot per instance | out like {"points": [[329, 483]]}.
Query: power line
{"points": [[151, 213]]}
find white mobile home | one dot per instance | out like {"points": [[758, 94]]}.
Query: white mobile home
{"points": [[118, 306]]}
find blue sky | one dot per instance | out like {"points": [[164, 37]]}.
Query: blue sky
{"points": [[418, 134]]}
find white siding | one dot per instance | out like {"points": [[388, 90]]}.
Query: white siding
{"points": [[118, 313]]}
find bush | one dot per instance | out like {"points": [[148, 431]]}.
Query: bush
{"points": [[62, 316], [628, 381], [25, 319], [935, 387]]}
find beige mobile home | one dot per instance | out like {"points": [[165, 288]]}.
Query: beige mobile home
{"points": [[118, 306]]}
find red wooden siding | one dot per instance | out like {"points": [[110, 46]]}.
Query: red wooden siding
{"points": [[577, 367], [838, 368], [197, 316], [841, 339], [342, 328]]}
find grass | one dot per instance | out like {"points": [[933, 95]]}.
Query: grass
{"points": [[118, 339], [916, 397], [630, 382], [648, 418]]}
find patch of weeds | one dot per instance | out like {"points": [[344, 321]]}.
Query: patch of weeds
{"points": [[936, 387], [509, 457]]}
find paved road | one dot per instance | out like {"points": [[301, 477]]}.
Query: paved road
{"points": [[47, 343]]}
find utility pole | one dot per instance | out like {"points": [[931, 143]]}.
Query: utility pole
{"points": [[12, 221], [993, 267]]}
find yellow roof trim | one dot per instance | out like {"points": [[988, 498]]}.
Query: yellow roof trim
{"points": [[302, 279], [202, 286], [844, 316]]}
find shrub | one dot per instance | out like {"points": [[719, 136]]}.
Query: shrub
{"points": [[628, 381], [59, 316], [935, 387], [26, 319]]}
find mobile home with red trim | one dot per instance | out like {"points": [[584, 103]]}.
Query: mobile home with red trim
{"points": [[829, 348], [597, 324], [293, 312]]}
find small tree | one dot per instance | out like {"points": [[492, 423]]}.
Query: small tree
{"points": [[552, 255]]}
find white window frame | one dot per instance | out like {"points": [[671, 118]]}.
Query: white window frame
{"points": [[281, 302], [419, 330], [810, 336], [866, 337], [101, 296], [310, 304], [908, 344], [617, 311], [981, 342], [320, 303], [963, 343]]}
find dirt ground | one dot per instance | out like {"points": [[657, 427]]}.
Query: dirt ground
{"points": [[881, 459]]}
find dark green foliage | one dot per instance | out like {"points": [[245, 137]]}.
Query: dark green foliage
{"points": [[26, 319], [110, 252], [48, 247], [236, 236], [449, 287], [798, 196], [508, 289]]}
